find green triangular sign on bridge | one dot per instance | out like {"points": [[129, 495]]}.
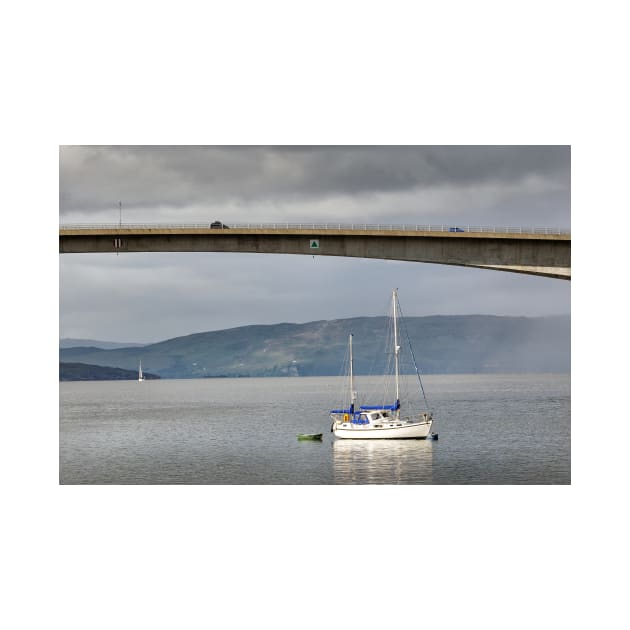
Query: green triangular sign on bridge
{"points": [[314, 244]]}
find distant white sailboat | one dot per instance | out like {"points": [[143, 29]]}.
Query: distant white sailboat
{"points": [[140, 374]]}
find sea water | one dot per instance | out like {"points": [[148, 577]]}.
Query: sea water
{"points": [[493, 429]]}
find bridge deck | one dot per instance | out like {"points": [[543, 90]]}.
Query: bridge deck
{"points": [[318, 230], [540, 252]]}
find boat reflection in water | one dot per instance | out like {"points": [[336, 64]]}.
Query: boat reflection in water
{"points": [[383, 461]]}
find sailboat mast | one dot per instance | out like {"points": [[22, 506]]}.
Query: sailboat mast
{"points": [[396, 346], [353, 394]]}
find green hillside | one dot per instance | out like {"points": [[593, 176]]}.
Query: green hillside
{"points": [[442, 344]]}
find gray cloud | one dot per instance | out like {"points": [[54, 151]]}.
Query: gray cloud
{"points": [[175, 179]]}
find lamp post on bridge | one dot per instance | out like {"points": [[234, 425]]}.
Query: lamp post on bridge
{"points": [[118, 241]]}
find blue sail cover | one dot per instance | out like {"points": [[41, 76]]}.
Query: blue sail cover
{"points": [[393, 407]]}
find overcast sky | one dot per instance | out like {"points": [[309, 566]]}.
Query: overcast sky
{"points": [[149, 297]]}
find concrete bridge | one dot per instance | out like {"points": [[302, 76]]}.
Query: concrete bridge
{"points": [[542, 252]]}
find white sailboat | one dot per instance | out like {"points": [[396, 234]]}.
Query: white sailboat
{"points": [[381, 421], [140, 374]]}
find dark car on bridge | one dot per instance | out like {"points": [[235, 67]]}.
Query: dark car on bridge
{"points": [[455, 229], [217, 225]]}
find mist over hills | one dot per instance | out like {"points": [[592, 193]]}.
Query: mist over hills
{"points": [[442, 344]]}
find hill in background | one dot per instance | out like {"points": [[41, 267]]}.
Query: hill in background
{"points": [[442, 345], [68, 342]]}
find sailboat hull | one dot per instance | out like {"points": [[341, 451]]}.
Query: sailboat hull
{"points": [[412, 431]]}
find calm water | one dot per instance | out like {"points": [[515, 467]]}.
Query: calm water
{"points": [[493, 429]]}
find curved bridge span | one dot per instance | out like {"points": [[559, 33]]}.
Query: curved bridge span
{"points": [[542, 252]]}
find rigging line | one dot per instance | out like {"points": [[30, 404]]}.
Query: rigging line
{"points": [[377, 359], [388, 366], [345, 380], [380, 360], [413, 357]]}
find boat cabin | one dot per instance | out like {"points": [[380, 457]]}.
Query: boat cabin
{"points": [[370, 417]]}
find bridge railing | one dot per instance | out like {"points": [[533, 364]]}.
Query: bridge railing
{"points": [[321, 226]]}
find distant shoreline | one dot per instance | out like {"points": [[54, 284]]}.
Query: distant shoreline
{"points": [[87, 372], [191, 378]]}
